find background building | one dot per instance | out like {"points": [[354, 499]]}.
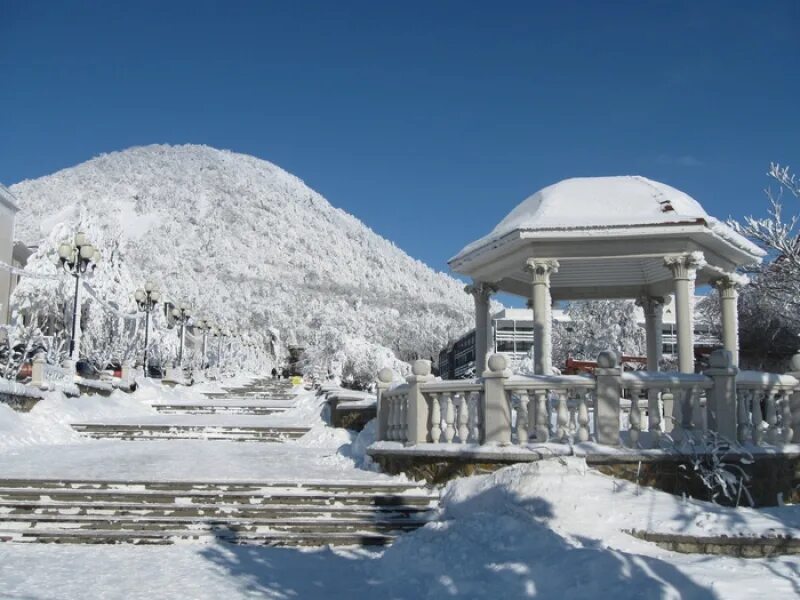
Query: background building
{"points": [[512, 335], [8, 213]]}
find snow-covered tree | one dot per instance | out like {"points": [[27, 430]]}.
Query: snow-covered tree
{"points": [[597, 325], [769, 307]]}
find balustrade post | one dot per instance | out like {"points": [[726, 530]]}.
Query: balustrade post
{"points": [[496, 408], [721, 406], [794, 400], [384, 381], [607, 406], [417, 415], [37, 371]]}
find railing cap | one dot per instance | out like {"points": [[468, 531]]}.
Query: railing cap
{"points": [[795, 362], [721, 359], [497, 363], [386, 375], [421, 368], [759, 379], [607, 359]]}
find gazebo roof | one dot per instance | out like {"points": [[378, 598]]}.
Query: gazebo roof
{"points": [[610, 235]]}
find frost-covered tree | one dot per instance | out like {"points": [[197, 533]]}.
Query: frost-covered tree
{"points": [[597, 325], [769, 307]]}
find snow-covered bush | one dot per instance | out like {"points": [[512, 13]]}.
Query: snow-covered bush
{"points": [[348, 358]]}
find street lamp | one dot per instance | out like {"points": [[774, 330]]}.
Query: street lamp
{"points": [[75, 259], [204, 325], [181, 314], [146, 300], [219, 334]]}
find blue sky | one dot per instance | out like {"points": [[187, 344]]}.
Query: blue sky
{"points": [[427, 120]]}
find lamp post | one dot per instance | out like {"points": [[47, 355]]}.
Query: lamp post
{"points": [[75, 258], [146, 300], [204, 325], [221, 333], [181, 315]]}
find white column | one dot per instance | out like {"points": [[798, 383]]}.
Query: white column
{"points": [[540, 270], [727, 287], [481, 292], [684, 270], [653, 308]]}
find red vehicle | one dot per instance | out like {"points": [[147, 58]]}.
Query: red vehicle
{"points": [[587, 367]]}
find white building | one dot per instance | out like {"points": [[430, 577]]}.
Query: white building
{"points": [[512, 335], [8, 212]]}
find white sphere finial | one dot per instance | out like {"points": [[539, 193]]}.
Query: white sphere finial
{"points": [[386, 375], [497, 363], [421, 368]]}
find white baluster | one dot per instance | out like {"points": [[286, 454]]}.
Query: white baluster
{"points": [[542, 426], [758, 419], [677, 415], [405, 418], [530, 411], [522, 417], [698, 419], [583, 418], [635, 416], [573, 417], [449, 418], [562, 416], [436, 419], [463, 418], [771, 417], [394, 420], [743, 418], [654, 416], [474, 417], [786, 418]]}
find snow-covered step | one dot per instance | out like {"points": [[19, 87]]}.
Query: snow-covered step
{"points": [[189, 498], [274, 511], [218, 409], [170, 537], [270, 512], [249, 525], [241, 433], [255, 487]]}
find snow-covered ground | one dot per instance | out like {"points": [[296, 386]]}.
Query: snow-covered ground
{"points": [[552, 529]]}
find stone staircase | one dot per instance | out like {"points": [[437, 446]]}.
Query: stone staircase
{"points": [[268, 513], [261, 397], [235, 433]]}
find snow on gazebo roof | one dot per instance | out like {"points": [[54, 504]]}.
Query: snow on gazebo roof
{"points": [[584, 218]]}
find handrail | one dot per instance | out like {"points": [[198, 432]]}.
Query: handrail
{"points": [[549, 382], [649, 379], [451, 386], [756, 380]]}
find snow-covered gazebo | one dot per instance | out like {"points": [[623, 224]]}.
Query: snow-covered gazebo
{"points": [[608, 237]]}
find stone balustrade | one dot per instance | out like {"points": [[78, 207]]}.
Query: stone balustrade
{"points": [[52, 377], [636, 409]]}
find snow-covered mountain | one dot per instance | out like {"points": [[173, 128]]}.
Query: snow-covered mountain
{"points": [[248, 245]]}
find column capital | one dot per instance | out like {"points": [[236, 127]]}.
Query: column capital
{"points": [[729, 285], [480, 290], [651, 304], [684, 266], [541, 269]]}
